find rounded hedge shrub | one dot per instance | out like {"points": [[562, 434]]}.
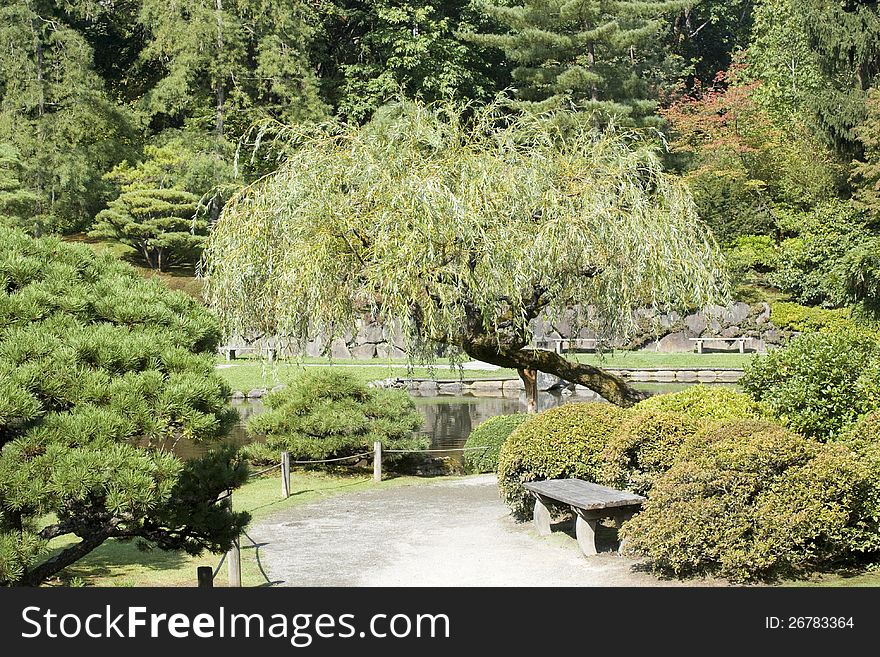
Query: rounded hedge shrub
{"points": [[645, 446], [326, 414], [864, 439], [489, 435], [821, 382], [752, 501], [703, 402], [562, 442]]}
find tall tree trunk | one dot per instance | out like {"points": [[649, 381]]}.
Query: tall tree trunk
{"points": [[530, 382], [219, 122], [591, 60]]}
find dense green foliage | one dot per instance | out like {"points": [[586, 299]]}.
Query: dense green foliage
{"points": [[704, 402], [486, 440], [752, 501], [821, 382], [327, 414], [101, 374], [645, 446], [560, 443]]}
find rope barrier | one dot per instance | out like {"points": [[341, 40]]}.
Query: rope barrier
{"points": [[420, 451], [344, 458], [255, 474], [219, 565]]}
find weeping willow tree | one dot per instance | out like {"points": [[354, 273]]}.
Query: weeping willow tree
{"points": [[464, 231]]}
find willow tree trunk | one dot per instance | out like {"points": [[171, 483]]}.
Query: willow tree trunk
{"points": [[528, 359], [530, 382]]}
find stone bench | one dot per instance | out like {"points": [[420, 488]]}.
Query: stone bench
{"points": [[590, 502], [740, 342], [231, 352]]}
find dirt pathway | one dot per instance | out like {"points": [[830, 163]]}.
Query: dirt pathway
{"points": [[450, 533]]}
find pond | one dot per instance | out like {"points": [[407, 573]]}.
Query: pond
{"points": [[448, 419]]}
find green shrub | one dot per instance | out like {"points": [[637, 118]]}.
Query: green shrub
{"points": [[820, 383], [809, 319], [751, 257], [864, 439], [327, 414], [490, 435], [703, 402], [752, 501], [562, 442], [645, 446]]}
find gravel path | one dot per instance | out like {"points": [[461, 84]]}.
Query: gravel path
{"points": [[450, 533]]}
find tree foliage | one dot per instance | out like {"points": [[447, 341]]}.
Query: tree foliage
{"points": [[101, 373], [464, 231], [161, 224], [595, 56]]}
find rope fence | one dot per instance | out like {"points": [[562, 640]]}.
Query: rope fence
{"points": [[206, 574]]}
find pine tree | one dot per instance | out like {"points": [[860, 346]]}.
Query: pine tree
{"points": [[593, 55], [161, 224], [17, 203], [101, 373]]}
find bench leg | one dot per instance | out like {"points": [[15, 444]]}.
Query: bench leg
{"points": [[541, 518], [230, 355], [618, 522], [586, 535], [742, 346]]}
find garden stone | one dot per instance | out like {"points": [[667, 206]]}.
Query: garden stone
{"points": [[256, 393], [363, 351], [338, 349], [238, 394]]}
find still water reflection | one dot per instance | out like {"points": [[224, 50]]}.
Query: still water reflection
{"points": [[448, 419]]}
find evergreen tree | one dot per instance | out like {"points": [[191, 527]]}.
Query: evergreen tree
{"points": [[593, 55], [17, 203], [55, 111], [161, 224], [101, 373]]}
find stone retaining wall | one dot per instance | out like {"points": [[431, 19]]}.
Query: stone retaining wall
{"points": [[669, 332]]}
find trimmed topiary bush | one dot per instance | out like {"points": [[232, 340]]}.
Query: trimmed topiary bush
{"points": [[752, 501], [490, 434], [645, 446], [327, 414], [703, 402], [820, 383], [566, 441]]}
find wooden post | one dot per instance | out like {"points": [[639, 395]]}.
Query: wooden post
{"points": [[377, 461], [233, 557], [285, 475], [205, 575]]}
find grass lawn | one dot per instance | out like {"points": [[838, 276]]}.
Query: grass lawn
{"points": [[118, 563], [246, 375]]}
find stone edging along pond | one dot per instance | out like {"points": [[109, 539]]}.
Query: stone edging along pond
{"points": [[545, 381]]}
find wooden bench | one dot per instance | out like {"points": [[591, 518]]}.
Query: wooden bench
{"points": [[590, 503], [230, 352], [740, 342], [588, 344]]}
